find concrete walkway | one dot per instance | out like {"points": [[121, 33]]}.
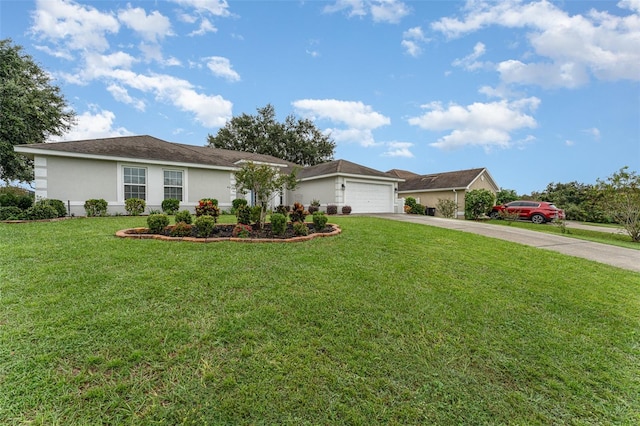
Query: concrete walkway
{"points": [[612, 255]]}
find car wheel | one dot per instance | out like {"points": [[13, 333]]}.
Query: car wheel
{"points": [[494, 215], [538, 219]]}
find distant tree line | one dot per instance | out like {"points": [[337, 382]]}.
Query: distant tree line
{"points": [[615, 199]]}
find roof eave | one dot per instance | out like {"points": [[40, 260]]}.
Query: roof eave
{"points": [[31, 152]]}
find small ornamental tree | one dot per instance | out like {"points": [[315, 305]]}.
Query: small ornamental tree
{"points": [[265, 182], [478, 202], [621, 200]]}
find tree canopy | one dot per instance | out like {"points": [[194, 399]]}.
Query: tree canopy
{"points": [[296, 140], [31, 110], [265, 182], [621, 199]]}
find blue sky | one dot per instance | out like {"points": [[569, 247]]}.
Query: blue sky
{"points": [[535, 91]]}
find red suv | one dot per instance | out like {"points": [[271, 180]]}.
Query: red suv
{"points": [[536, 211]]}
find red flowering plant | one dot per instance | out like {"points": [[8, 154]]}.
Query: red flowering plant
{"points": [[241, 231], [209, 207]]}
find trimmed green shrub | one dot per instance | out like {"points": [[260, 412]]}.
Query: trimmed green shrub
{"points": [[346, 209], [171, 206], [95, 207], [11, 213], [56, 204], [298, 214], [256, 211], [8, 199], [283, 210], [157, 222], [300, 228], [181, 229], [278, 223], [239, 202], [208, 207], [241, 230], [205, 225], [243, 213], [332, 209], [447, 208], [184, 216], [24, 201], [416, 209], [319, 221], [478, 202], [134, 206], [40, 212]]}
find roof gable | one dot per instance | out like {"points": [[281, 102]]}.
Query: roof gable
{"points": [[342, 167]]}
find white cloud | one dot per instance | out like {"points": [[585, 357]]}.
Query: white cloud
{"points": [[398, 149], [121, 94], [594, 132], [479, 124], [214, 7], [412, 41], [391, 11], [93, 124], [596, 44], [205, 27], [79, 26], [547, 75], [221, 67], [152, 27], [360, 119], [470, 62], [208, 110]]}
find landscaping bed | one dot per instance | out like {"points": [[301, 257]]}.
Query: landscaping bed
{"points": [[225, 232]]}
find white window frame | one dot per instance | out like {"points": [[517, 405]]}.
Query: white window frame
{"points": [[137, 184], [165, 186]]}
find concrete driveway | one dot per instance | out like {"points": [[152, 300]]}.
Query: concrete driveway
{"points": [[611, 255]]}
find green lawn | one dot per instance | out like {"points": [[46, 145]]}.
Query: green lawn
{"points": [[387, 323]]}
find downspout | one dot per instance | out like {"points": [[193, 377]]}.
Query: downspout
{"points": [[455, 200]]}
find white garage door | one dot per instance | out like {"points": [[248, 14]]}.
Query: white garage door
{"points": [[369, 197]]}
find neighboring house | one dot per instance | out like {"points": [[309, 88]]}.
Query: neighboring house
{"points": [[145, 167], [428, 189]]}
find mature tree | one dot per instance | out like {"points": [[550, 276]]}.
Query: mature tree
{"points": [[31, 110], [265, 182], [505, 196], [621, 199], [478, 202], [295, 140]]}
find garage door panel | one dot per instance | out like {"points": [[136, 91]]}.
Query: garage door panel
{"points": [[364, 197]]}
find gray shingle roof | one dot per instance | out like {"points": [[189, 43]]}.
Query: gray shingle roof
{"points": [[343, 167], [458, 179], [403, 174], [149, 148]]}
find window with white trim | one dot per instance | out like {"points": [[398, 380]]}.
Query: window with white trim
{"points": [[135, 183], [173, 184]]}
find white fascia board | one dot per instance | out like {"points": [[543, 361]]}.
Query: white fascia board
{"points": [[409, 191], [51, 153], [261, 162], [346, 175]]}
